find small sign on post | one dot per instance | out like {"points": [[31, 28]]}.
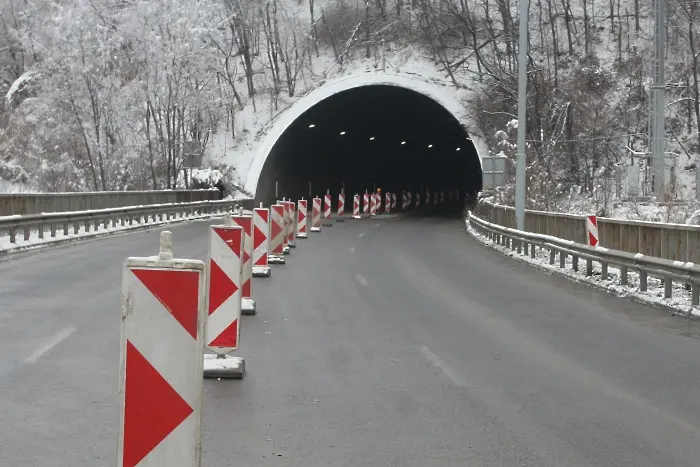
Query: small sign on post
{"points": [[493, 170]]}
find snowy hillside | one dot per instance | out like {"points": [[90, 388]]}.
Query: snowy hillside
{"points": [[103, 94]]}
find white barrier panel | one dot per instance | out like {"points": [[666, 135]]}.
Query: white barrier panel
{"points": [[246, 223], [387, 203], [277, 235], [366, 204], [316, 215], [301, 219], [162, 343], [261, 242], [356, 207], [226, 243], [341, 207]]}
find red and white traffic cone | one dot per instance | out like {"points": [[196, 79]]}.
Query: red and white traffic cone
{"points": [[366, 204], [302, 212], [222, 335], [327, 210], [277, 234], [387, 203], [161, 346], [356, 207], [261, 242], [316, 215], [341, 207], [246, 223]]}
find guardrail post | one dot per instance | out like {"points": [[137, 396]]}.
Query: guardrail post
{"points": [[695, 294], [574, 262], [526, 248], [562, 260], [668, 287], [13, 233], [53, 230], [624, 280], [604, 270], [552, 256], [532, 250], [41, 230], [589, 267], [26, 234], [643, 281]]}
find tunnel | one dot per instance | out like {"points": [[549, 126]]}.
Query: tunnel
{"points": [[371, 137]]}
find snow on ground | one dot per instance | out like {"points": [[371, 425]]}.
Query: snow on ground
{"points": [[654, 295]]}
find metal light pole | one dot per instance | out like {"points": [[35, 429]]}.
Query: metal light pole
{"points": [[658, 99], [522, 114]]}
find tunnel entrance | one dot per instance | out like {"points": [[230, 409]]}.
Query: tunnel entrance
{"points": [[367, 137]]}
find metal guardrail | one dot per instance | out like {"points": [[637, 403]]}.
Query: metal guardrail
{"points": [[666, 270], [95, 219]]}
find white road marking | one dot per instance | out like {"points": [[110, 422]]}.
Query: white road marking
{"points": [[376, 225], [53, 342], [352, 249], [362, 234], [361, 280], [439, 364]]}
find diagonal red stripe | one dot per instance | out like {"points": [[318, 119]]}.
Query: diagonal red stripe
{"points": [[221, 287]]}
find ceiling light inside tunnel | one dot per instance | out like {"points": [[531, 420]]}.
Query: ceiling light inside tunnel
{"points": [[430, 145], [312, 125], [371, 138], [403, 142], [458, 149], [342, 132]]}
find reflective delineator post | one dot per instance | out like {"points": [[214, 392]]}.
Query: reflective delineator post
{"points": [[261, 242], [246, 223], [277, 234], [356, 207], [302, 212], [373, 205], [592, 230], [226, 247], [316, 214], [162, 343]]}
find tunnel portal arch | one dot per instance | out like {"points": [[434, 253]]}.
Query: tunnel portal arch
{"points": [[443, 96]]}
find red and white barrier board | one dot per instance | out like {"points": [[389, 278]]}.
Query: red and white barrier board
{"points": [[162, 343], [285, 226], [409, 195], [261, 242], [393, 201], [246, 223], [427, 197], [341, 207], [277, 234], [387, 203], [327, 210], [404, 200], [417, 200], [366, 204], [373, 205], [292, 234], [223, 304], [316, 215], [302, 212], [356, 207], [592, 228]]}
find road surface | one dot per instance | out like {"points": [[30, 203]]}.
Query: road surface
{"points": [[394, 342]]}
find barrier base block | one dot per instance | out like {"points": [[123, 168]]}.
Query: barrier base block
{"points": [[292, 244], [357, 217], [302, 235], [223, 366], [276, 259], [285, 250], [315, 229], [248, 307], [262, 271]]}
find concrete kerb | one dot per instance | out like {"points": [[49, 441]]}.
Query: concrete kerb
{"points": [[14, 252], [671, 310]]}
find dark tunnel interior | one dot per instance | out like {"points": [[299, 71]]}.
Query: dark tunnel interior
{"points": [[371, 137]]}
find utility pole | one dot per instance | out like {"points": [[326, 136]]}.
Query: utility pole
{"points": [[657, 135], [522, 115]]}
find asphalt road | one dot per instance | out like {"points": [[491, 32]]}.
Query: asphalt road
{"points": [[395, 342]]}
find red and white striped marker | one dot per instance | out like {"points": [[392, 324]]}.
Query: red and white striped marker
{"points": [[246, 223], [366, 204], [302, 212], [292, 235], [226, 246], [327, 210], [341, 207], [277, 234], [409, 195], [387, 203], [436, 197], [592, 228], [356, 207], [427, 197], [261, 242], [393, 201], [316, 215], [162, 343], [373, 205], [404, 200], [285, 227], [417, 200]]}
